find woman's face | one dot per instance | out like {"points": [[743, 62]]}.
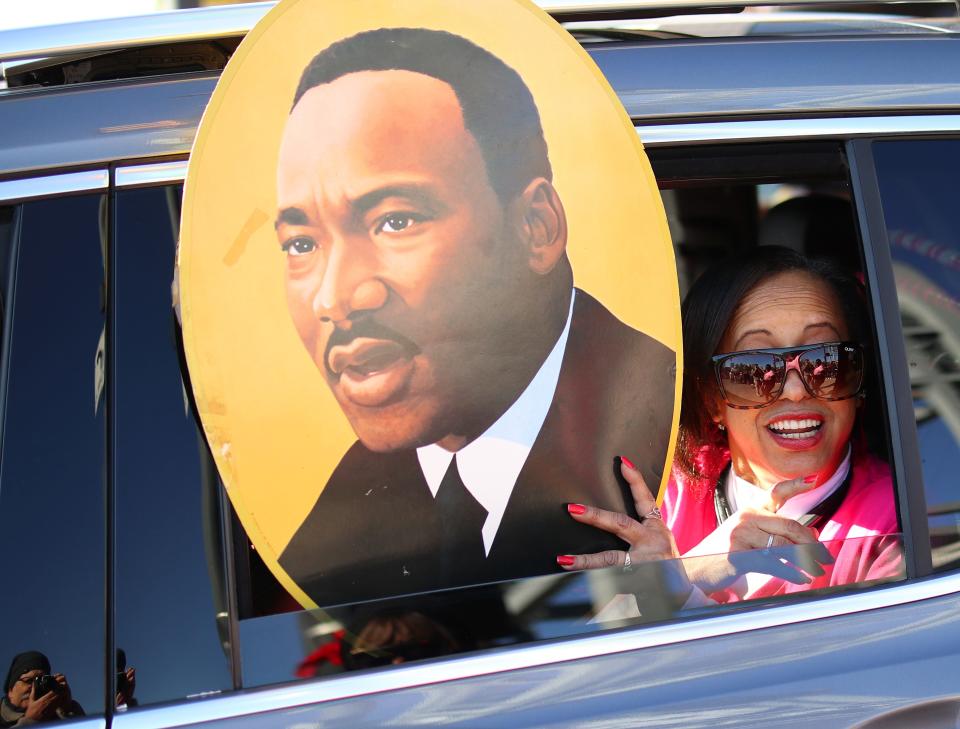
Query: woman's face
{"points": [[789, 309]]}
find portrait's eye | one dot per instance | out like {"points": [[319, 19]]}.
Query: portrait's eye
{"points": [[396, 223], [299, 246]]}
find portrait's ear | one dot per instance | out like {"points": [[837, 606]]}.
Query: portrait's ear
{"points": [[542, 225]]}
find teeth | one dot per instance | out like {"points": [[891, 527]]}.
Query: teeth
{"points": [[804, 424]]}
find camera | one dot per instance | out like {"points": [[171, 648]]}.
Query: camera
{"points": [[42, 685], [122, 683]]}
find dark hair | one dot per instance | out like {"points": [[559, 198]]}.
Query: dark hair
{"points": [[498, 108], [706, 312]]}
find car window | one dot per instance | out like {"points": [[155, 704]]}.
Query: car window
{"points": [[171, 611], [719, 202], [917, 186], [52, 484], [198, 612]]}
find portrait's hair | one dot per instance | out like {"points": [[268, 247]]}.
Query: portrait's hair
{"points": [[498, 108], [706, 313]]}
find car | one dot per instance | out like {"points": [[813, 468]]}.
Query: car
{"points": [[839, 133]]}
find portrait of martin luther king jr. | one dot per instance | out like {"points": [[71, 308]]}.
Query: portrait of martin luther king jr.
{"points": [[427, 276]]}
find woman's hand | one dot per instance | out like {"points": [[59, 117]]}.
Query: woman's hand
{"points": [[647, 540], [760, 540], [761, 528]]}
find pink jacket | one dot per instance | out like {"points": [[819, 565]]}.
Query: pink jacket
{"points": [[866, 522]]}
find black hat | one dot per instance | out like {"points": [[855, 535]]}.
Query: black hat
{"points": [[23, 663]]}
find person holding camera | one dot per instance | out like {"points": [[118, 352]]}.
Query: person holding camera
{"points": [[34, 695]]}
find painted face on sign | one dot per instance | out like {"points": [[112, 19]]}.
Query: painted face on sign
{"points": [[421, 296]]}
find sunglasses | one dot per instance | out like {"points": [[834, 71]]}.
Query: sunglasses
{"points": [[755, 378]]}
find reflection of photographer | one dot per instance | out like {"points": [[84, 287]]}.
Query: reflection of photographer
{"points": [[126, 681], [33, 694]]}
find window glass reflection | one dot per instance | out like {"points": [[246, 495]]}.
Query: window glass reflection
{"points": [[171, 611], [52, 482], [393, 632], [918, 191]]}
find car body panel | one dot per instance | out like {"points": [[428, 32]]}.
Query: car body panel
{"points": [[689, 81], [833, 671]]}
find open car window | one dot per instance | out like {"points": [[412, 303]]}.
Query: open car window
{"points": [[719, 202]]}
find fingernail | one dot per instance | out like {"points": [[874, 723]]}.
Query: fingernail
{"points": [[810, 479], [629, 463], [565, 560], [576, 508]]}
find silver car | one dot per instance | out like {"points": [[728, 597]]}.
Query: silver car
{"points": [[125, 563]]}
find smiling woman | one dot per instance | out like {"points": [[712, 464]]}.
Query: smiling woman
{"points": [[771, 449]]}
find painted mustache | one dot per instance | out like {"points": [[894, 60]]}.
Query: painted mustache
{"points": [[366, 347]]}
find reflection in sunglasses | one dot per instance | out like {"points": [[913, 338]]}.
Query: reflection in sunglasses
{"points": [[755, 378]]}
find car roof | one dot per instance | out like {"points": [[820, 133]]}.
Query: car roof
{"points": [[662, 80], [225, 21]]}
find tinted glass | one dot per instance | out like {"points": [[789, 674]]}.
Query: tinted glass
{"points": [[171, 615], [918, 185], [52, 485]]}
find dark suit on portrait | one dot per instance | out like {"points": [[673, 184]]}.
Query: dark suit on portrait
{"points": [[375, 530]]}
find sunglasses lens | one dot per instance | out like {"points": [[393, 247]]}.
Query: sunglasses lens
{"points": [[751, 378], [834, 371]]}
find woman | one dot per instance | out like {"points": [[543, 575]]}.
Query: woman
{"points": [[770, 453]]}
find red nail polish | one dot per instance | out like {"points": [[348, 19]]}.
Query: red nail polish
{"points": [[810, 479], [628, 462], [576, 508], [565, 560]]}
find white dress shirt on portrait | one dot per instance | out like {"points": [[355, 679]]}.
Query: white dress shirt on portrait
{"points": [[490, 464]]}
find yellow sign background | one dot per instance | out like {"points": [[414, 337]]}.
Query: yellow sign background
{"points": [[275, 429]]}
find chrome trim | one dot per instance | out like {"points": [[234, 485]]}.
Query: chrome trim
{"points": [[174, 26], [91, 36], [70, 182], [157, 173], [91, 723], [509, 659], [654, 135], [563, 7]]}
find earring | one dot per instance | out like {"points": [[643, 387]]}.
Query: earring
{"points": [[721, 426]]}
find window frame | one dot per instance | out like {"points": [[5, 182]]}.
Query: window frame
{"points": [[893, 355], [857, 134]]}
